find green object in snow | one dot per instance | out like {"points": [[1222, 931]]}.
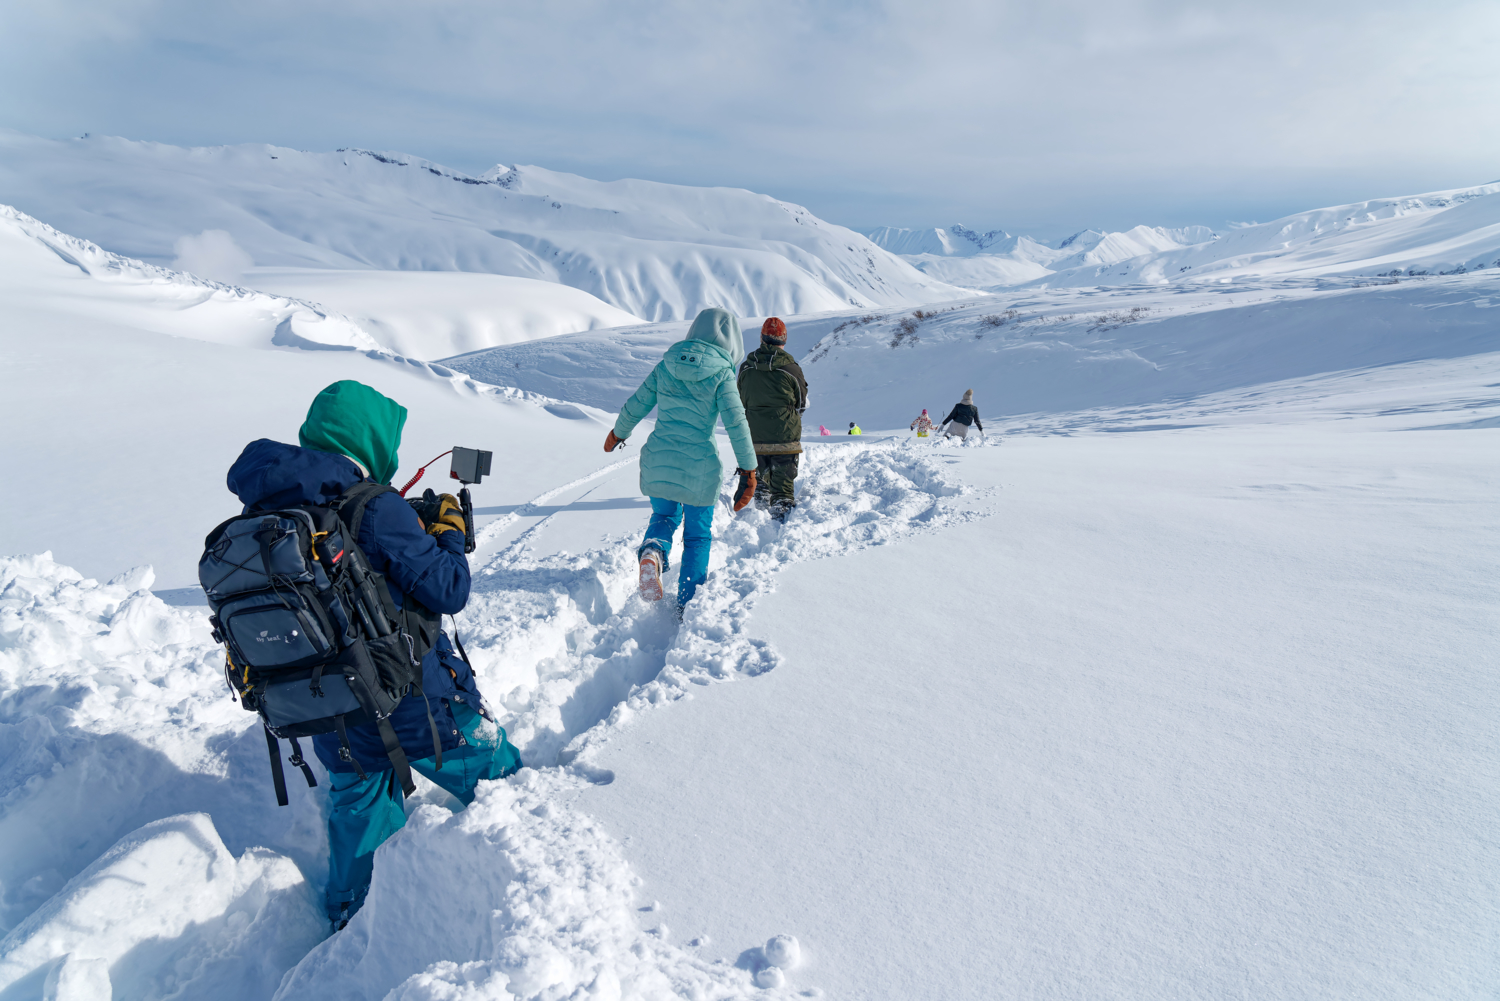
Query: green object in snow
{"points": [[349, 418]]}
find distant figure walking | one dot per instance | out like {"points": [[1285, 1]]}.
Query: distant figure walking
{"points": [[854, 428], [923, 425], [823, 430], [963, 414]]}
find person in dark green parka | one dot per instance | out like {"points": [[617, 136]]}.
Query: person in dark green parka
{"points": [[774, 392]]}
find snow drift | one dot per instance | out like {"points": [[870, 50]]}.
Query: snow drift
{"points": [[432, 314], [44, 269]]}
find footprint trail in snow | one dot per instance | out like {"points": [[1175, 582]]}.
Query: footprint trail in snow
{"points": [[565, 643], [528, 897]]}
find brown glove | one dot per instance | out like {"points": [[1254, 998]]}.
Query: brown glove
{"points": [[450, 516], [612, 442], [746, 491]]}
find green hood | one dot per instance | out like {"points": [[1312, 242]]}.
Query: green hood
{"points": [[352, 419]]}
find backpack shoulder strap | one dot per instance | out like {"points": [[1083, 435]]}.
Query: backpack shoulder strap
{"points": [[351, 505]]}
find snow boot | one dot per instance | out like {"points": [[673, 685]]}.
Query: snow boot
{"points": [[650, 581], [781, 508]]}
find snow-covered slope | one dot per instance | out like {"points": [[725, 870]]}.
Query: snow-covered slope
{"points": [[944, 241], [1052, 350], [431, 314], [1442, 232], [417, 314], [961, 256], [1045, 350], [1438, 233], [41, 268], [126, 381], [981, 271], [656, 251], [1189, 697]]}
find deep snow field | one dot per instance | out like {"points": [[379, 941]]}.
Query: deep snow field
{"points": [[1176, 683]]}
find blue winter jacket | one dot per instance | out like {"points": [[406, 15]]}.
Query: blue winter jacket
{"points": [[434, 569], [692, 387]]}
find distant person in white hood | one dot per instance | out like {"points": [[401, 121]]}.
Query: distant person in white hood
{"points": [[962, 416]]}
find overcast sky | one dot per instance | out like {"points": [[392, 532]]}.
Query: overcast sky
{"points": [[1039, 117]]}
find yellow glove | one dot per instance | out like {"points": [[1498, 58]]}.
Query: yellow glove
{"points": [[450, 516]]}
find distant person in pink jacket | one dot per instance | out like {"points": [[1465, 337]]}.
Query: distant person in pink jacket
{"points": [[823, 430]]}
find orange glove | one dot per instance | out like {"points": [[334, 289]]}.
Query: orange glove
{"points": [[612, 442], [746, 491]]}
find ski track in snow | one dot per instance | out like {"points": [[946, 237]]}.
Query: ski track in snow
{"points": [[115, 730], [496, 528]]}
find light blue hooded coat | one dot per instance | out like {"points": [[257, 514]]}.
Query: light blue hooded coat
{"points": [[692, 387]]}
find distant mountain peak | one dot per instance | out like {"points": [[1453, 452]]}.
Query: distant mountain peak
{"points": [[981, 240]]}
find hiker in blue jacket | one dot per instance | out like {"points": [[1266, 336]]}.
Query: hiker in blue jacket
{"points": [[691, 388], [351, 434]]}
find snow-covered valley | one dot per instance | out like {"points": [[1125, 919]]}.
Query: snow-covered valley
{"points": [[1175, 683]]}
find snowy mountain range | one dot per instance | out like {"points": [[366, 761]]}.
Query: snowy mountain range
{"points": [[964, 257], [1441, 232], [655, 251]]}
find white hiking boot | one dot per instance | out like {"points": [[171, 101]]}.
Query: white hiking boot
{"points": [[651, 574]]}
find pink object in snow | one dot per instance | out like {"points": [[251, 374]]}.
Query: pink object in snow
{"points": [[823, 430]]}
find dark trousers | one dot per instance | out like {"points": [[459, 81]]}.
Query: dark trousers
{"points": [[774, 475]]}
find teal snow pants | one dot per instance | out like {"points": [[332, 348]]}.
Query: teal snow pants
{"points": [[364, 812], [697, 536]]}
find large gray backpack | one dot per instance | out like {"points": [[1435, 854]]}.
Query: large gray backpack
{"points": [[314, 642]]}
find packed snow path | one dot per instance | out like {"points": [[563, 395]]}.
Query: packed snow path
{"points": [[534, 898]]}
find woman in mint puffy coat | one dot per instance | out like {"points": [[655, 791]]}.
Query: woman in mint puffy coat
{"points": [[692, 387]]}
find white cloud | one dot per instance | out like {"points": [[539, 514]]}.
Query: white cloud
{"points": [[1009, 113]]}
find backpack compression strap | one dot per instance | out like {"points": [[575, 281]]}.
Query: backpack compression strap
{"points": [[278, 777], [397, 755], [399, 765]]}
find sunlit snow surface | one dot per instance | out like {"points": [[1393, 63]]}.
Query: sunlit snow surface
{"points": [[1176, 683]]}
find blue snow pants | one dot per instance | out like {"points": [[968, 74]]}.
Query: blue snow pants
{"points": [[697, 533], [364, 812]]}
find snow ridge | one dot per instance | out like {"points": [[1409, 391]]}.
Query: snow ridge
{"points": [[291, 322], [657, 251], [1442, 232]]}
